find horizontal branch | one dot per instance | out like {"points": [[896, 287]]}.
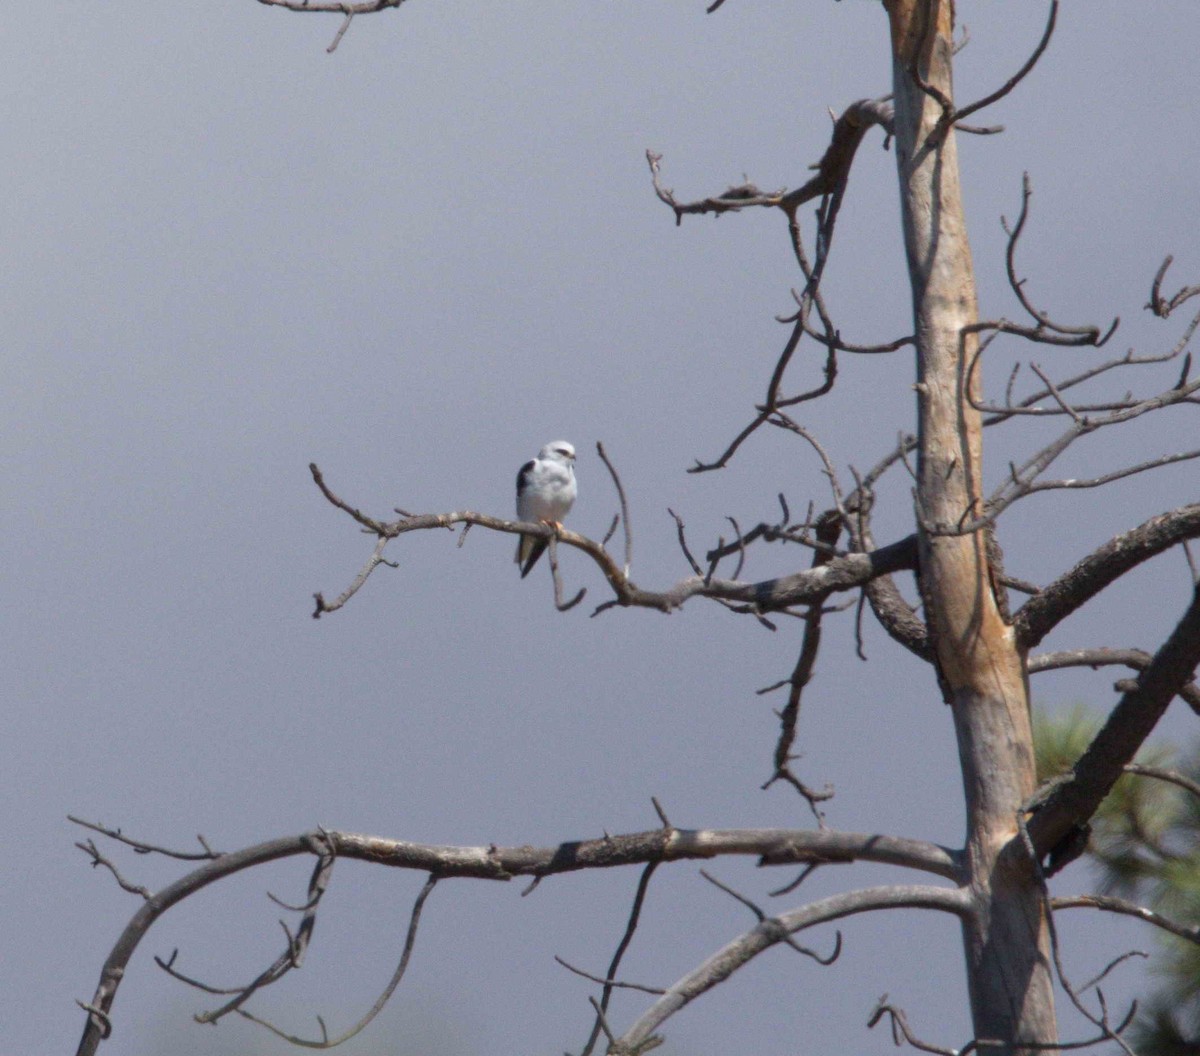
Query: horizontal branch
{"points": [[1128, 909], [1171, 777], [1043, 612], [770, 846], [1137, 659], [334, 7], [841, 573], [832, 170], [717, 968]]}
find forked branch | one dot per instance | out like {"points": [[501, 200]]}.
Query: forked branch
{"points": [[841, 573], [1074, 800], [666, 844], [1164, 306], [829, 185], [774, 930], [833, 170], [1137, 659]]}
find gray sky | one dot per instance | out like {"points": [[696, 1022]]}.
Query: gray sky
{"points": [[228, 254]]}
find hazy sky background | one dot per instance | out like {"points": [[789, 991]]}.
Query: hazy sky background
{"points": [[228, 254]]}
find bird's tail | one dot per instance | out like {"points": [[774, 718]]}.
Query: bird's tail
{"points": [[529, 549]]}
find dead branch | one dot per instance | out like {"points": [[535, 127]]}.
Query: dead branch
{"points": [[1073, 801], [337, 7], [373, 562], [770, 846], [1020, 75], [1024, 480], [1089, 334], [836, 344], [342, 7], [1045, 611], [100, 861], [764, 918], [608, 983], [1129, 909], [773, 401], [141, 847], [829, 184], [832, 169], [291, 958], [326, 1042], [1137, 659], [901, 1032], [99, 1023], [828, 529], [1075, 483], [846, 572], [895, 615], [1164, 307], [559, 603], [1171, 777], [628, 528], [1029, 406], [763, 936]]}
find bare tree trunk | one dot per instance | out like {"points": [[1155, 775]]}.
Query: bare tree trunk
{"points": [[980, 664]]}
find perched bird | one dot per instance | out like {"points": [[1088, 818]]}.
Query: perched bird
{"points": [[545, 493]]}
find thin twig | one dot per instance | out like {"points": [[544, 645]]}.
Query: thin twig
{"points": [[562, 606], [1021, 74], [1164, 307], [608, 984], [624, 506], [141, 847], [635, 913], [99, 861], [326, 1042]]}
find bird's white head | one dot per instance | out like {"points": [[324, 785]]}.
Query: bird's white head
{"points": [[558, 451]]}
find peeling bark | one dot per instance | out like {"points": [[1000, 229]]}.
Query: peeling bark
{"points": [[981, 666]]}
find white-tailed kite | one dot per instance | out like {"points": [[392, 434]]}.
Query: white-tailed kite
{"points": [[545, 493]]}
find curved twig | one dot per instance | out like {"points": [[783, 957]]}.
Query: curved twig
{"points": [[380, 1002], [771, 931], [1090, 333], [609, 982], [628, 529], [1023, 480], [1020, 75], [828, 530], [1160, 306], [337, 7]]}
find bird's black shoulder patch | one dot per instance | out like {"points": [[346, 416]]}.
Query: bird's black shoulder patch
{"points": [[523, 475]]}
